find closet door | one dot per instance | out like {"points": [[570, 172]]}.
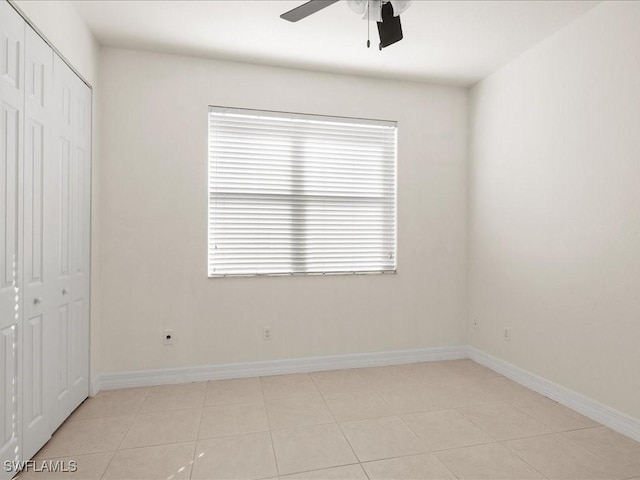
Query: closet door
{"points": [[45, 184], [11, 107], [79, 241], [71, 276], [40, 219]]}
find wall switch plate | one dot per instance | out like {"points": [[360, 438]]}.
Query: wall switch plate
{"points": [[168, 337], [476, 323], [266, 333]]}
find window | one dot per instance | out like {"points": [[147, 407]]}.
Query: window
{"points": [[300, 194]]}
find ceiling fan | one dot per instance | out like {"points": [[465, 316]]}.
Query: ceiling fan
{"points": [[385, 12]]}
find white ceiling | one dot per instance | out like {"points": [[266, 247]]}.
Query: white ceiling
{"points": [[457, 42]]}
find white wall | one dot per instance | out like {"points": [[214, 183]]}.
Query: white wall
{"points": [[65, 29], [554, 204], [153, 211]]}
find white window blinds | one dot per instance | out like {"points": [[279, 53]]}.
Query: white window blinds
{"points": [[300, 194]]}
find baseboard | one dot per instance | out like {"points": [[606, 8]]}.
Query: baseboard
{"points": [[94, 385], [610, 417], [145, 378]]}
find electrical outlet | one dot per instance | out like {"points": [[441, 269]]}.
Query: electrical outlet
{"points": [[507, 334], [168, 337], [266, 333], [476, 323]]}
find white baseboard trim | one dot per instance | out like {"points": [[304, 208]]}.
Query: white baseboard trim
{"points": [[146, 378], [610, 417], [94, 385]]}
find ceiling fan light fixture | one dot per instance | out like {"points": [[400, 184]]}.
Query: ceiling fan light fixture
{"points": [[368, 9], [372, 9]]}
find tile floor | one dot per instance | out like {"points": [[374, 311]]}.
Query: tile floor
{"points": [[439, 420]]}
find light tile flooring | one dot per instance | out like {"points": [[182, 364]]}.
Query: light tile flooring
{"points": [[439, 420]]}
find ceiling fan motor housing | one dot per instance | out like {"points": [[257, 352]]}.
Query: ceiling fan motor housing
{"points": [[390, 28]]}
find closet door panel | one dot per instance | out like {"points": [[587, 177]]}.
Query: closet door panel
{"points": [[11, 105], [34, 200], [34, 270], [12, 30], [62, 180], [62, 357], [76, 370], [10, 134], [39, 249], [80, 179], [34, 393], [62, 268], [72, 113], [10, 415]]}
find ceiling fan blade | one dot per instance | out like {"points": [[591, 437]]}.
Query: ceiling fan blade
{"points": [[306, 9]]}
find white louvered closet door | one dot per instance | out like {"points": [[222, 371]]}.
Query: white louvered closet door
{"points": [[11, 140]]}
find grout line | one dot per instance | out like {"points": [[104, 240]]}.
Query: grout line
{"points": [[266, 412], [226, 435], [396, 457], [202, 407], [446, 466], [531, 417], [135, 415], [348, 442], [525, 461], [195, 443], [324, 400], [458, 409], [193, 458], [111, 417], [366, 474], [286, 396], [580, 428], [21, 473], [429, 450], [441, 450], [600, 456], [355, 455], [323, 468]]}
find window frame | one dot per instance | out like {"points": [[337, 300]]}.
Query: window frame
{"points": [[292, 115]]}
